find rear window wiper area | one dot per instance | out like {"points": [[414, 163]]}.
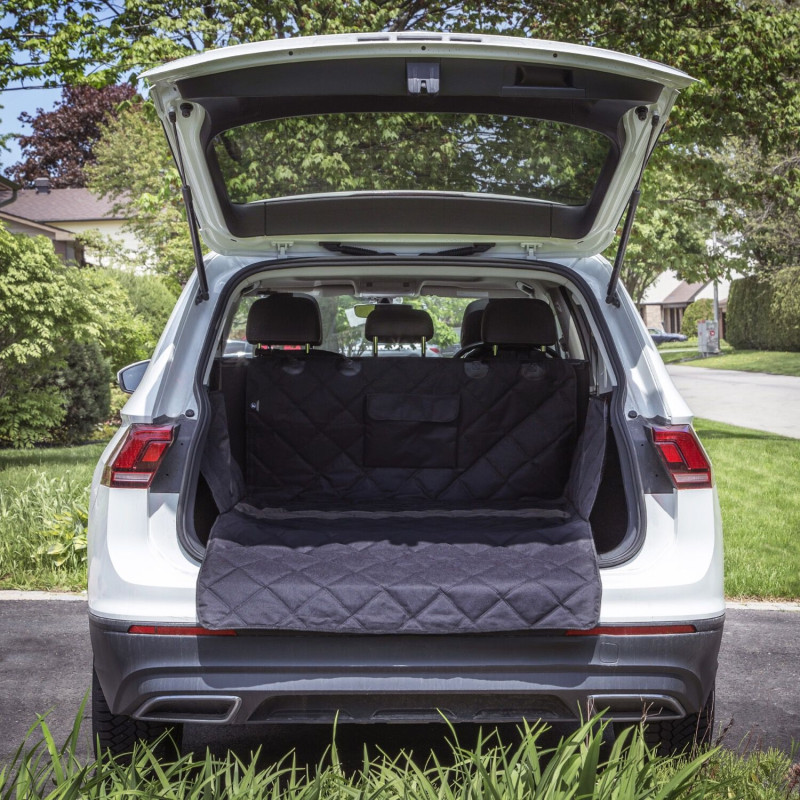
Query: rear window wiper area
{"points": [[354, 250], [467, 250]]}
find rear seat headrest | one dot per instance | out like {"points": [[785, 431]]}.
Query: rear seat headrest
{"points": [[398, 324], [518, 321], [472, 321], [284, 319]]}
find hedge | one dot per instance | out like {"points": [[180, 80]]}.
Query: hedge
{"points": [[764, 311]]}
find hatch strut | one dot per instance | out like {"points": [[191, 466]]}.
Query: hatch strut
{"points": [[202, 291], [611, 291]]}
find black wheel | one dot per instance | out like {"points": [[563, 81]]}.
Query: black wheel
{"points": [[673, 736], [117, 733]]}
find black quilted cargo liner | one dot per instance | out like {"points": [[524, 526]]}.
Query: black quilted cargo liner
{"points": [[494, 537], [318, 430], [434, 574]]}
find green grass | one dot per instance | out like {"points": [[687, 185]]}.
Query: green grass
{"points": [[575, 768], [772, 362], [758, 478], [44, 496], [579, 766]]}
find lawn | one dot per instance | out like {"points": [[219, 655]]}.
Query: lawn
{"points": [[44, 495], [758, 478], [773, 362]]}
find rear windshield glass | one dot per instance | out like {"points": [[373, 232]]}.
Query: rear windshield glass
{"points": [[475, 153]]}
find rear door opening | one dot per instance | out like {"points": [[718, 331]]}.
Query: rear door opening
{"points": [[342, 491]]}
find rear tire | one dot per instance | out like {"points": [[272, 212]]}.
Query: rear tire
{"points": [[673, 736], [118, 733]]}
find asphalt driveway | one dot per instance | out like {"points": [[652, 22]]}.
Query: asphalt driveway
{"points": [[749, 399], [45, 666]]}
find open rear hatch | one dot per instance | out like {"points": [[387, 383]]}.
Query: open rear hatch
{"points": [[412, 138]]}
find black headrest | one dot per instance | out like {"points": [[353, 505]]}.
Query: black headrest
{"points": [[284, 319], [398, 324], [471, 322], [518, 321]]}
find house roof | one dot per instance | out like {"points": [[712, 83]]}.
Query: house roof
{"points": [[61, 205], [683, 294], [662, 286], [32, 228]]}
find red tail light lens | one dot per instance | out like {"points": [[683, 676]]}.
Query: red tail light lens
{"points": [[177, 630], [137, 459], [684, 457], [635, 630]]}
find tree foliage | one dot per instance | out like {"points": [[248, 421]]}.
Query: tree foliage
{"points": [[46, 307], [61, 141], [696, 312], [85, 390], [764, 311], [134, 168], [42, 308], [746, 101]]}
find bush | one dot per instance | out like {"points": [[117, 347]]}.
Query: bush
{"points": [[85, 383], [696, 312], [764, 311], [43, 307], [152, 301]]}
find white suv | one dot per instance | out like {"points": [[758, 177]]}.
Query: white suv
{"points": [[300, 525]]}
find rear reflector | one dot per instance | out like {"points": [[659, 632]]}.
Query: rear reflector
{"points": [[137, 459], [177, 630], [635, 630], [683, 456]]}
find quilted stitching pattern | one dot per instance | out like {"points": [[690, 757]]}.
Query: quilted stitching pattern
{"points": [[362, 576], [306, 430]]}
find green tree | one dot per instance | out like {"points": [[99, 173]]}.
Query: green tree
{"points": [[133, 166], [743, 52], [58, 324], [696, 312], [85, 391], [43, 307]]}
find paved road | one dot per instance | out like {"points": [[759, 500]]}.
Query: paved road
{"points": [[749, 399], [45, 664]]}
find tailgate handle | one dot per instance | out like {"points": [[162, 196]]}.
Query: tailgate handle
{"points": [[422, 77]]}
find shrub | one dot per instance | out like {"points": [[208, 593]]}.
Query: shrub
{"points": [[85, 383], [152, 301], [43, 307], [764, 311], [696, 312]]}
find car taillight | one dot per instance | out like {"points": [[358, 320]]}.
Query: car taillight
{"points": [[137, 459], [177, 630], [684, 457], [634, 630]]}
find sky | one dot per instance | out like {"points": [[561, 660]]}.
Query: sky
{"points": [[13, 104]]}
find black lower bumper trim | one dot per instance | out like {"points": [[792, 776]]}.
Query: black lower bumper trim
{"points": [[489, 678]]}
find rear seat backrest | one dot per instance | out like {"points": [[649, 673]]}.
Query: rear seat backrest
{"points": [[519, 325], [408, 430], [388, 323], [472, 322], [291, 320]]}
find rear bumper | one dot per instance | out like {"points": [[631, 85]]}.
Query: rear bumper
{"points": [[480, 678]]}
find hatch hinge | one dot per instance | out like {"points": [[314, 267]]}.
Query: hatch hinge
{"points": [[191, 218], [532, 248], [283, 248]]}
